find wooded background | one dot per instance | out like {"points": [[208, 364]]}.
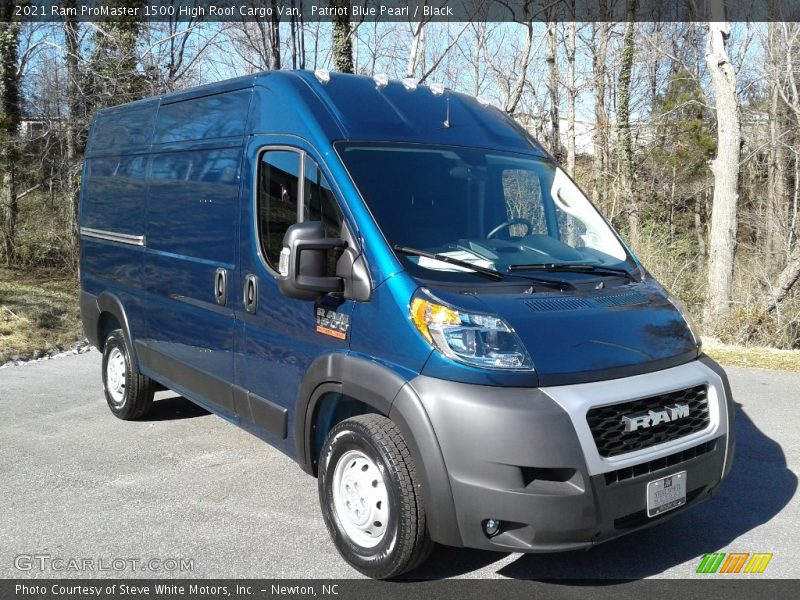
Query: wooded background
{"points": [[685, 135]]}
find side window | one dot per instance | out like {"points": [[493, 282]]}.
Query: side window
{"points": [[279, 173], [571, 230], [279, 193], [523, 195], [319, 204]]}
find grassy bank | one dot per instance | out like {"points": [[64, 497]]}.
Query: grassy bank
{"points": [[756, 357], [38, 313]]}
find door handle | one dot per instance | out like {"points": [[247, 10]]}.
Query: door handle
{"points": [[221, 287], [251, 294]]}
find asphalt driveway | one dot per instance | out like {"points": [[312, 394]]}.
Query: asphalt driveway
{"points": [[186, 494]]}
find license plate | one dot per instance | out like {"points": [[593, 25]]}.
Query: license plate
{"points": [[666, 494]]}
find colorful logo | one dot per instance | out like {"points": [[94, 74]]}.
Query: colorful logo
{"points": [[734, 562]]}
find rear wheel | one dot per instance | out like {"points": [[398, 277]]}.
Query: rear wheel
{"points": [[369, 498], [129, 393]]}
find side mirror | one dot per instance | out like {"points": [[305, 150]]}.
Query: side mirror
{"points": [[303, 259]]}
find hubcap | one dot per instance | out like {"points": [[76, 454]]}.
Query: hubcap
{"points": [[115, 376], [360, 498]]}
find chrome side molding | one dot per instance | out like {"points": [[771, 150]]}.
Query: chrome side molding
{"points": [[112, 236]]}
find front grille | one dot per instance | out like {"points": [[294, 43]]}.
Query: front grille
{"points": [[644, 468], [608, 429]]}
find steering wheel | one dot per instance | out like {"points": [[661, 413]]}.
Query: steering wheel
{"points": [[509, 223]]}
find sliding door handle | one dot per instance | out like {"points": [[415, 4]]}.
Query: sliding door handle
{"points": [[221, 287], [251, 294]]}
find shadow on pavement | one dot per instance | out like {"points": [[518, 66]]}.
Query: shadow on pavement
{"points": [[174, 408], [759, 486]]}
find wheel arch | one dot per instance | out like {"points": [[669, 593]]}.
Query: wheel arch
{"points": [[111, 313], [374, 387]]}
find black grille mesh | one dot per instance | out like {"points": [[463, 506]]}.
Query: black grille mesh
{"points": [[646, 468], [609, 434]]}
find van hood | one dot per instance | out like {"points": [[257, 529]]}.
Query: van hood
{"points": [[590, 336]]}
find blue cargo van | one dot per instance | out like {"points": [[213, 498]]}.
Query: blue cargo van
{"points": [[399, 288]]}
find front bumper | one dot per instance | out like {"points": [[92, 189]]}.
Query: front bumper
{"points": [[523, 456]]}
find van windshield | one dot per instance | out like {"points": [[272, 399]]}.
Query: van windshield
{"points": [[499, 211]]}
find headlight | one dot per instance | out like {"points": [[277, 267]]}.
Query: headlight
{"points": [[678, 304], [474, 339]]}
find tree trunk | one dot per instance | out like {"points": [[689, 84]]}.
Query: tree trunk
{"points": [[275, 38], [342, 40], [301, 24], [777, 193], [699, 229], [74, 117], [627, 174], [600, 138], [417, 45], [515, 94], [784, 283], [725, 168], [9, 125], [293, 36], [786, 280], [552, 59], [572, 92]]}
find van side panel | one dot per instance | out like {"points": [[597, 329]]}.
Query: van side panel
{"points": [[112, 211], [125, 129], [192, 232], [192, 235], [211, 117]]}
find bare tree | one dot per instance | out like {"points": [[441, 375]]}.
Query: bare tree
{"points": [[416, 52], [776, 187], [552, 61], [600, 141], [725, 168], [627, 172], [437, 60], [256, 43], [76, 116], [572, 93], [173, 52], [515, 93], [9, 124]]}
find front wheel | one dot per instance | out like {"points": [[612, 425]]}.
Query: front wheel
{"points": [[369, 498]]}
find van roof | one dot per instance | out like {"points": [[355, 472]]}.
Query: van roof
{"points": [[358, 108]]}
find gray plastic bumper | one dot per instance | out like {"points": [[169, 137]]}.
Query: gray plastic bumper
{"points": [[527, 458]]}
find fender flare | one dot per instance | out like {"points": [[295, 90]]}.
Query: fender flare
{"points": [[392, 396], [110, 303]]}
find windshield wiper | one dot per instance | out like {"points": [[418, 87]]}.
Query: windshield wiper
{"points": [[575, 268], [489, 273]]}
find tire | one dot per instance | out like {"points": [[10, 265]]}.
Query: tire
{"points": [[381, 541], [129, 393]]}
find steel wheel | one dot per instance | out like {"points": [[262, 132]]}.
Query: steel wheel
{"points": [[129, 394], [360, 498], [368, 495], [115, 376]]}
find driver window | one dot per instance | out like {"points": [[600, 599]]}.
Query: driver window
{"points": [[319, 204], [277, 200], [523, 196]]}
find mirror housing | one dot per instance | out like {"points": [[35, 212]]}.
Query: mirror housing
{"points": [[303, 259]]}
